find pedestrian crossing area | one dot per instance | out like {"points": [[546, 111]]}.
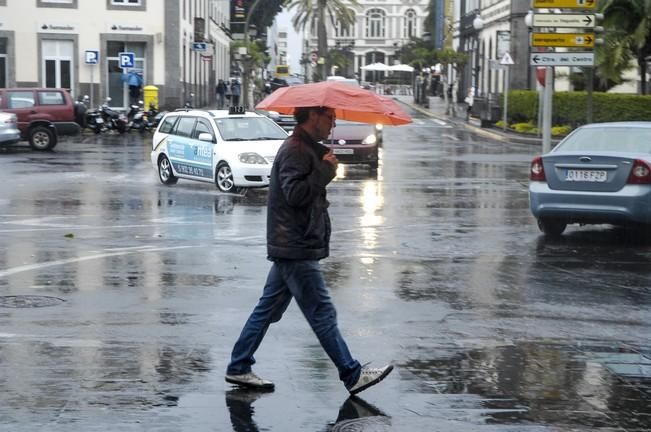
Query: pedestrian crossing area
{"points": [[429, 122]]}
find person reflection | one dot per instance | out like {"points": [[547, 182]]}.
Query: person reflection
{"points": [[355, 408], [239, 402]]}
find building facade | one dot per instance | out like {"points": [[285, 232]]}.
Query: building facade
{"points": [[381, 28], [76, 44], [485, 30]]}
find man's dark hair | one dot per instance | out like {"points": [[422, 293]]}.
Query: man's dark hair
{"points": [[301, 114]]}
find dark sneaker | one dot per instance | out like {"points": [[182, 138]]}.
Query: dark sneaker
{"points": [[250, 380], [369, 377]]}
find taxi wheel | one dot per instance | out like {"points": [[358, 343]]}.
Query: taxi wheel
{"points": [[165, 173], [224, 178]]}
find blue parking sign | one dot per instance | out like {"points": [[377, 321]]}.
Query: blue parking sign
{"points": [[92, 57], [127, 60]]}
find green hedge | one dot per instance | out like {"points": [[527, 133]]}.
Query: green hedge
{"points": [[571, 107]]}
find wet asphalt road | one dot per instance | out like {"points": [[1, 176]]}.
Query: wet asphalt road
{"points": [[120, 299]]}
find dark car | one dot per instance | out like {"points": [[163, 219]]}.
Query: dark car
{"points": [[285, 121], [277, 83], [356, 143], [43, 114]]}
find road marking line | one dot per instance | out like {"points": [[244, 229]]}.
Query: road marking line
{"points": [[440, 122], [452, 137], [37, 266]]}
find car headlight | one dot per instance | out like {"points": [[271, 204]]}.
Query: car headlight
{"points": [[379, 127], [371, 139], [251, 158]]}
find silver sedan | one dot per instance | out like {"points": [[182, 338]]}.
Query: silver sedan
{"points": [[9, 132], [600, 173]]}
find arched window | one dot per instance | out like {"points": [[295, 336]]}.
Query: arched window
{"points": [[375, 23], [345, 31], [409, 27]]}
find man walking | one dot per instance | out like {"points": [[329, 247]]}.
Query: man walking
{"points": [[298, 236], [221, 93]]}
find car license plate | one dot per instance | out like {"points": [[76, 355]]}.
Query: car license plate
{"points": [[586, 175], [343, 151]]}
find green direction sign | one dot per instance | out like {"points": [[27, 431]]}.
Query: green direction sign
{"points": [[568, 4], [564, 20], [568, 40]]}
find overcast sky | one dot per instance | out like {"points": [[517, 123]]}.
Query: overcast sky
{"points": [[294, 41]]}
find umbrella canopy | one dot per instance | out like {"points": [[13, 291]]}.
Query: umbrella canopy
{"points": [[350, 103], [380, 67], [401, 68]]}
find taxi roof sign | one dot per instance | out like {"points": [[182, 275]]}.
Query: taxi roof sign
{"points": [[236, 110]]}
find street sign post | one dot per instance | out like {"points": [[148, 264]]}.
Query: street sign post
{"points": [[507, 61], [568, 4], [566, 40], [572, 59], [564, 20], [92, 58]]}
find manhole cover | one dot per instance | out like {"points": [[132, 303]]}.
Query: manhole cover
{"points": [[29, 301], [364, 424]]}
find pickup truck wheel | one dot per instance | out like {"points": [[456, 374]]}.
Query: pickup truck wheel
{"points": [[42, 138]]}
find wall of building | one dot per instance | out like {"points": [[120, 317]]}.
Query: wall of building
{"points": [[47, 36]]}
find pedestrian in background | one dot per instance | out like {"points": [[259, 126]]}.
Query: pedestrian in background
{"points": [[298, 236], [134, 81], [235, 92], [221, 93], [469, 100]]}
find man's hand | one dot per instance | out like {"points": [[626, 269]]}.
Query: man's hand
{"points": [[331, 158]]}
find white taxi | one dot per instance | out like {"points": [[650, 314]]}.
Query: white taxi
{"points": [[234, 149]]}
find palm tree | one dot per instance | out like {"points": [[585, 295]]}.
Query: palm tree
{"points": [[311, 12], [628, 35]]}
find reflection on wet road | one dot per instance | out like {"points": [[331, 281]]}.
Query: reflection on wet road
{"points": [[120, 298]]}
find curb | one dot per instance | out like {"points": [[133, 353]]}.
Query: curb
{"points": [[498, 136]]}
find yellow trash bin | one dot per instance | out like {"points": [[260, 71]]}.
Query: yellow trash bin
{"points": [[151, 96]]}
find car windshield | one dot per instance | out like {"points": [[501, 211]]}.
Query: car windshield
{"points": [[628, 139], [249, 129]]}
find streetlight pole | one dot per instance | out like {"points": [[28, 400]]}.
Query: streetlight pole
{"points": [[478, 25]]}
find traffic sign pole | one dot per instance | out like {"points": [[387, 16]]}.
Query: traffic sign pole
{"points": [[547, 111]]}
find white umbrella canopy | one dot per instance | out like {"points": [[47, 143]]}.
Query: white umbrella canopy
{"points": [[380, 67], [401, 68]]}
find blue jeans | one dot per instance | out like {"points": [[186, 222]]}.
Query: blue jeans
{"points": [[303, 281]]}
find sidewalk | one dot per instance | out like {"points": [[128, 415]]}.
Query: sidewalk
{"points": [[437, 109]]}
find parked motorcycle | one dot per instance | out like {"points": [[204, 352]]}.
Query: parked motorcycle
{"points": [[136, 117], [113, 119], [95, 121], [154, 117]]}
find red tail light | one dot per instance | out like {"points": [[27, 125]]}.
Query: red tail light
{"points": [[640, 173], [537, 171]]}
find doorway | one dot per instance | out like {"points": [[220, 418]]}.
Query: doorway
{"points": [[116, 86]]}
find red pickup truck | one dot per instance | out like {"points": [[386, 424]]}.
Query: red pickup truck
{"points": [[43, 114]]}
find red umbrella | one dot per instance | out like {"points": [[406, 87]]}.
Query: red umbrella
{"points": [[350, 103]]}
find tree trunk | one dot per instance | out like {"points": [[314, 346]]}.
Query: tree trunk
{"points": [[322, 36], [641, 62]]}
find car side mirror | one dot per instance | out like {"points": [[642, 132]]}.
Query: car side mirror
{"points": [[205, 137]]}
